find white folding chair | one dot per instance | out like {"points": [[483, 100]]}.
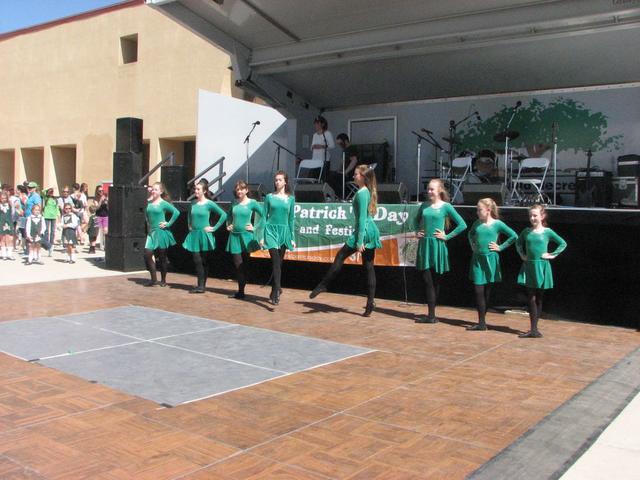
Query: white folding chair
{"points": [[309, 171], [532, 172], [352, 187], [460, 168]]}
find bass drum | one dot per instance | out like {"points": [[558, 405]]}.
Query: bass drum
{"points": [[485, 163]]}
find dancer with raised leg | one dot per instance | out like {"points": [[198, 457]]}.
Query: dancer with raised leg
{"points": [[485, 270], [279, 230], [431, 221], [535, 273], [159, 238], [200, 240], [365, 238], [242, 233]]}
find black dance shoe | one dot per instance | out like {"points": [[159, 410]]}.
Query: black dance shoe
{"points": [[274, 298], [531, 334], [317, 291], [369, 309], [197, 290], [481, 327], [148, 283], [426, 319], [237, 296], [163, 283]]}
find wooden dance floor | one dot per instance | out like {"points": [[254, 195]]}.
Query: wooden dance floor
{"points": [[350, 398]]}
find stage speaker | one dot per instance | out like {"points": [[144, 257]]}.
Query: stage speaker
{"points": [[625, 192], [127, 168], [472, 192], [173, 179], [129, 135], [125, 253], [127, 208], [315, 193], [256, 191], [599, 192], [392, 193]]}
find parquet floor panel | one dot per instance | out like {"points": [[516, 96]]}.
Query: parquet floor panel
{"points": [[431, 401]]}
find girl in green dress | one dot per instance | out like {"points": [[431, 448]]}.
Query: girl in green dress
{"points": [[484, 270], [431, 220], [6, 227], [242, 233], [200, 240], [159, 237], [365, 238], [535, 273], [279, 230]]}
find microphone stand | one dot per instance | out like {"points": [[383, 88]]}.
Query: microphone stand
{"points": [[246, 142], [439, 149], [554, 138], [418, 149], [506, 148], [282, 147], [453, 125]]}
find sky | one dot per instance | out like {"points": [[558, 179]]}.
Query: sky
{"points": [[17, 14]]}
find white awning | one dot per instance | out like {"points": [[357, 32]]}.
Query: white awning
{"points": [[336, 53]]}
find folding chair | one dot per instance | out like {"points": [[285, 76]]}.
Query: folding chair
{"points": [[526, 171], [460, 168], [309, 171]]}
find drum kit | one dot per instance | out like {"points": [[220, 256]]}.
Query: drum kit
{"points": [[489, 165]]}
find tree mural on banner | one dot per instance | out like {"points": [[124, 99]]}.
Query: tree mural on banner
{"points": [[579, 129]]}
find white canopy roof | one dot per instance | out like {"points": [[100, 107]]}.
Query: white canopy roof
{"points": [[337, 53]]}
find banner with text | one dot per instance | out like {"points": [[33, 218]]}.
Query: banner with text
{"points": [[322, 228]]}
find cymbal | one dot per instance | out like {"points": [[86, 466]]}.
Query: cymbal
{"points": [[502, 136], [450, 141]]}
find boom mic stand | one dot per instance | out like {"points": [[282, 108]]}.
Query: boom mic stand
{"points": [[418, 154], [246, 142]]}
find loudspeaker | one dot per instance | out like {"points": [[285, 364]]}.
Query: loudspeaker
{"points": [[127, 168], [625, 192], [315, 193], [125, 253], [127, 208], [256, 191], [599, 194], [629, 166], [173, 179], [473, 192], [392, 193], [129, 135]]}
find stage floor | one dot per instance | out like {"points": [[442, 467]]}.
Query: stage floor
{"points": [[429, 401]]}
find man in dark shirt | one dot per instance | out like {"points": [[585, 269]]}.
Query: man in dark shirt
{"points": [[350, 162]]}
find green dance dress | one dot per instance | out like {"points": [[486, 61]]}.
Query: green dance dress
{"points": [[199, 240], [160, 238], [536, 271], [6, 220], [279, 230], [240, 239], [366, 231], [485, 263], [432, 252]]}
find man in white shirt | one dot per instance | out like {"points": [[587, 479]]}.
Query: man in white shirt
{"points": [[322, 143]]}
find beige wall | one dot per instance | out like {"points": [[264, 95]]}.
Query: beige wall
{"points": [[66, 85]]}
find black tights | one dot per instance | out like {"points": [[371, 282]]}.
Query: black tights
{"points": [[240, 262], [432, 282], [535, 306], [201, 261], [368, 256], [482, 300], [277, 256], [161, 262]]}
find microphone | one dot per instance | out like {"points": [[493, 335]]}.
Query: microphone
{"points": [[428, 132], [478, 116], [257, 122], [518, 103]]}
